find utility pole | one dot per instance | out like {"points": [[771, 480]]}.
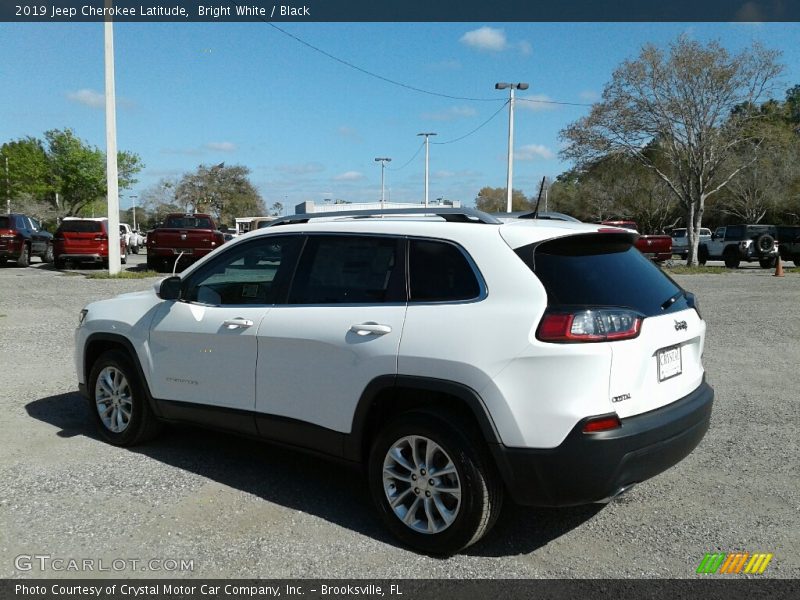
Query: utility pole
{"points": [[111, 149], [511, 87], [427, 135], [8, 190], [383, 162]]}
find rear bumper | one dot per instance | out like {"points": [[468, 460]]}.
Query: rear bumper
{"points": [[594, 467], [82, 257], [191, 254]]}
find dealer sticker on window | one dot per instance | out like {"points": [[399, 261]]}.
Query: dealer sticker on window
{"points": [[670, 363]]}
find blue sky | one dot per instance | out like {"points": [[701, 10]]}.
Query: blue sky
{"points": [[310, 127]]}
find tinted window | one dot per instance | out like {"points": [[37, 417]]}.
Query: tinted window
{"points": [[5, 223], [440, 272], [81, 226], [188, 223], [345, 269], [254, 273], [600, 270], [678, 233]]}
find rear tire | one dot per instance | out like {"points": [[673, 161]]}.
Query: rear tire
{"points": [[433, 483], [118, 401], [768, 263]]}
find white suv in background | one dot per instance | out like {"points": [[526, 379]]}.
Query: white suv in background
{"points": [[458, 358]]}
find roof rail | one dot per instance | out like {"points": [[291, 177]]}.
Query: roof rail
{"points": [[454, 215]]}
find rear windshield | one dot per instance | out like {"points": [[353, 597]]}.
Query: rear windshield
{"points": [[5, 223], [188, 223], [678, 233], [601, 270], [81, 226]]}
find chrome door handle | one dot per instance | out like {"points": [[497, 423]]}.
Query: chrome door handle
{"points": [[370, 329], [237, 323]]}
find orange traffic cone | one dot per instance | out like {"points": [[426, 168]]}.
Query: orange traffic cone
{"points": [[778, 267]]}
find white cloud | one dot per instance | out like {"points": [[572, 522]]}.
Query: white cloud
{"points": [[88, 97], [589, 96], [308, 168], [221, 146], [452, 113], [486, 38], [348, 132], [536, 102], [534, 152], [349, 176], [445, 65], [524, 48], [95, 99]]}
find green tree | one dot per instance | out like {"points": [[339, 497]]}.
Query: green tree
{"points": [[225, 192], [29, 170], [681, 101], [493, 200], [79, 171]]}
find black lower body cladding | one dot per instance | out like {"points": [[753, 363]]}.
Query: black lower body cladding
{"points": [[588, 468]]}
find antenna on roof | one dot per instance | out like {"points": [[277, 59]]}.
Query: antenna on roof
{"points": [[539, 199]]}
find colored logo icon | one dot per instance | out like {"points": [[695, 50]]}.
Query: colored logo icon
{"points": [[734, 563]]}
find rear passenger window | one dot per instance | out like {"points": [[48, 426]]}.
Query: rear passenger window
{"points": [[439, 272], [349, 269]]}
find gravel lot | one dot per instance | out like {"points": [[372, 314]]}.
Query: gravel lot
{"points": [[242, 509]]}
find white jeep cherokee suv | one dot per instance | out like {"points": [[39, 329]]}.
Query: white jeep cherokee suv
{"points": [[458, 358]]}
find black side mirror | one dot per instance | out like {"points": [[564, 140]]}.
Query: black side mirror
{"points": [[169, 288]]}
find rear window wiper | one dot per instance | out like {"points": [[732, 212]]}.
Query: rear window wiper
{"points": [[671, 300]]}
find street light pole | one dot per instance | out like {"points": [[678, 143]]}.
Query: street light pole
{"points": [[114, 256], [383, 162], [511, 87], [427, 135]]}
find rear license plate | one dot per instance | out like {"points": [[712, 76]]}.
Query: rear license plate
{"points": [[670, 363], [181, 250]]}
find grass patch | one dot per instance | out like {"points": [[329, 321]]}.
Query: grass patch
{"points": [[124, 275], [685, 270]]}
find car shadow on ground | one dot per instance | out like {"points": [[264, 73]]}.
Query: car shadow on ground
{"points": [[331, 491]]}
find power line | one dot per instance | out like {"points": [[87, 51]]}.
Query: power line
{"points": [[409, 160], [536, 101], [372, 74], [458, 139]]}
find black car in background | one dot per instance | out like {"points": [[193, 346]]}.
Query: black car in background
{"points": [[22, 237], [789, 242]]}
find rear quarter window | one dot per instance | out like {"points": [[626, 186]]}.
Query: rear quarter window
{"points": [[439, 272], [595, 270]]}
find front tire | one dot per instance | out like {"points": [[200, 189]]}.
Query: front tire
{"points": [[118, 401], [47, 257], [732, 259], [433, 483], [25, 256]]}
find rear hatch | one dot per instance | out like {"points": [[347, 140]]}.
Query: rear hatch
{"points": [[81, 237], [184, 234], [600, 289], [7, 232]]}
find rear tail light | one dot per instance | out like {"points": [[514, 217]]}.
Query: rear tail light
{"points": [[589, 325], [604, 423]]}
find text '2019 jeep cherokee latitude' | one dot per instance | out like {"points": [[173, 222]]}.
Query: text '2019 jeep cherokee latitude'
{"points": [[458, 358]]}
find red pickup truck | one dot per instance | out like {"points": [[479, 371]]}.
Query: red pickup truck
{"points": [[181, 240], [655, 247]]}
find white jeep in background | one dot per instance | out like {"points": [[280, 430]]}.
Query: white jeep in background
{"points": [[133, 239], [457, 358]]}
